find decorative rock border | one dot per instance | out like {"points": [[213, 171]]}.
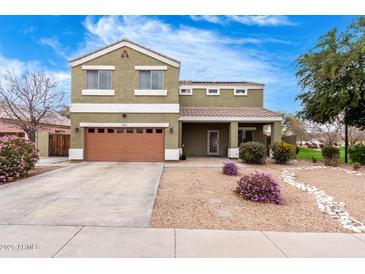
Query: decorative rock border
{"points": [[327, 204]]}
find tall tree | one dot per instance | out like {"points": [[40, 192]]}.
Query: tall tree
{"points": [[332, 78], [28, 98]]}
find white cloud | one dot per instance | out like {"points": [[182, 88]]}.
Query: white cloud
{"points": [[259, 20], [205, 54], [55, 45], [62, 77], [262, 20], [209, 18]]}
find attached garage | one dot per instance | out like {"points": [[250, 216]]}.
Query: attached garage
{"points": [[124, 144]]}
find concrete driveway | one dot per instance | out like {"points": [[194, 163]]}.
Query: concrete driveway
{"points": [[84, 194]]}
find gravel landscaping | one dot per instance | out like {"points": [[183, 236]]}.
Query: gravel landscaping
{"points": [[200, 197]]}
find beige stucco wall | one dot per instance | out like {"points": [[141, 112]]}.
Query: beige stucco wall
{"points": [[125, 79], [195, 138], [42, 139], [124, 82], [77, 139], [226, 98]]}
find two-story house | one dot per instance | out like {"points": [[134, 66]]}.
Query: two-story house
{"points": [[129, 105]]}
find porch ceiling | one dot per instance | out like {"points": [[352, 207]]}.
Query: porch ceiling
{"points": [[224, 114]]}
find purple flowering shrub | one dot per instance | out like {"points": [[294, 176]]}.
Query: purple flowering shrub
{"points": [[17, 157], [230, 169], [259, 187]]}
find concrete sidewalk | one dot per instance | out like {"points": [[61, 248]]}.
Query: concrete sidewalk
{"points": [[88, 241]]}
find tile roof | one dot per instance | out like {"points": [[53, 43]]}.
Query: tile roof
{"points": [[218, 83], [227, 112], [120, 41], [51, 118]]}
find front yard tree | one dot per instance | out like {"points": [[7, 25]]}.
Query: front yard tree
{"points": [[332, 78], [29, 97]]}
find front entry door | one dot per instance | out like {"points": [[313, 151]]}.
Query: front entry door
{"points": [[213, 142]]}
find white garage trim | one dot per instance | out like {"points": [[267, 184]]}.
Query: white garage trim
{"points": [[172, 154], [76, 154], [159, 125], [124, 108]]}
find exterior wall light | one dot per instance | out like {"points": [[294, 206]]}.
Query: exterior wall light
{"points": [[76, 129], [124, 115], [171, 130]]}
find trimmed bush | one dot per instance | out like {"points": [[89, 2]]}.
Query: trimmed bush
{"points": [[259, 187], [17, 157], [253, 152], [282, 152], [183, 153], [357, 154], [314, 160], [230, 169], [331, 155], [297, 150]]}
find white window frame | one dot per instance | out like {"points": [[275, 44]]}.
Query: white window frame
{"points": [[185, 94], [98, 91], [238, 94], [213, 94]]}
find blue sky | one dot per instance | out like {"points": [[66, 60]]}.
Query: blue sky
{"points": [[227, 48]]}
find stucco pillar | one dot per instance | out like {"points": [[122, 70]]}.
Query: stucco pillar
{"points": [[233, 140], [179, 142], [275, 132]]}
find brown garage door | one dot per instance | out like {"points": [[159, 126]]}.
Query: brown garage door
{"points": [[124, 144]]}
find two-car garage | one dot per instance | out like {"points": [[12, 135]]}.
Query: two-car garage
{"points": [[124, 144]]}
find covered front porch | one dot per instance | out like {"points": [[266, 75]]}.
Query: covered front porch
{"points": [[221, 135]]}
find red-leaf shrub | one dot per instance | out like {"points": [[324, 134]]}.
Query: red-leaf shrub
{"points": [[230, 169], [259, 187], [17, 157]]}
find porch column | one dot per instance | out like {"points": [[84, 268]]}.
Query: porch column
{"points": [[180, 136], [275, 132], [233, 150]]}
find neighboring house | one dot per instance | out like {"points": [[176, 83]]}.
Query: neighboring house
{"points": [[129, 105], [52, 123]]}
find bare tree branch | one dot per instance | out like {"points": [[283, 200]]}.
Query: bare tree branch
{"points": [[28, 98]]}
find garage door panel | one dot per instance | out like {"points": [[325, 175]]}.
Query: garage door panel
{"points": [[124, 146]]}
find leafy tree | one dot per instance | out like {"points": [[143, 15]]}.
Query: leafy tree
{"points": [[332, 78]]}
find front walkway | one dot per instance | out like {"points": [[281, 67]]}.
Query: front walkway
{"points": [[86, 241]]}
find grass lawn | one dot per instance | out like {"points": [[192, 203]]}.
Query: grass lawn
{"points": [[308, 153]]}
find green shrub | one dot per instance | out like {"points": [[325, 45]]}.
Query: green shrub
{"points": [[17, 157], [253, 152], [357, 154], [183, 153], [314, 160], [297, 150], [330, 155], [282, 152]]}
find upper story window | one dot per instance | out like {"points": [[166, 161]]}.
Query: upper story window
{"points": [[240, 92], [213, 91], [151, 79], [98, 79], [185, 91]]}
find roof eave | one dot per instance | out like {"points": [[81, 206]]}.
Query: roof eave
{"points": [[122, 43]]}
